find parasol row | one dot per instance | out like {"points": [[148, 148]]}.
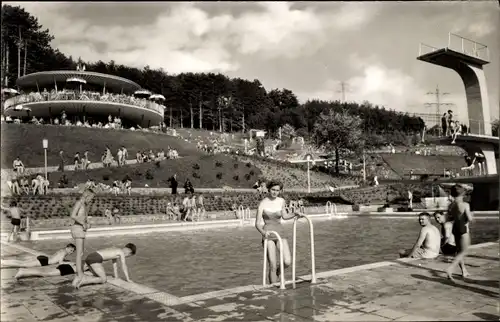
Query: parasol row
{"points": [[76, 80]]}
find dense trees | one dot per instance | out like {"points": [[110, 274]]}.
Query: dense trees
{"points": [[199, 100]]}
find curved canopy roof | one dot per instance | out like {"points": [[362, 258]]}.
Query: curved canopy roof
{"points": [[47, 79]]}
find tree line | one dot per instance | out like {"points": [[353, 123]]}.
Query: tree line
{"points": [[199, 100]]}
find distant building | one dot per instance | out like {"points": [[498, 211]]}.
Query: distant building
{"points": [[253, 133]]}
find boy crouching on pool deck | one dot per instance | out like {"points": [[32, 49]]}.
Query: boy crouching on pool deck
{"points": [[42, 260], [95, 263], [428, 242]]}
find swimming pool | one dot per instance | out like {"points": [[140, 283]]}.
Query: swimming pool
{"points": [[192, 262]]}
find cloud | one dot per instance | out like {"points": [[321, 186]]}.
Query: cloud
{"points": [[184, 37], [373, 82], [481, 28]]}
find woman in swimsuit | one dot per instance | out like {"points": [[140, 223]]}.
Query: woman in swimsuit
{"points": [[459, 212], [272, 210]]}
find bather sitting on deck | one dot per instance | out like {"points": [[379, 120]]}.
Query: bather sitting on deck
{"points": [[448, 246], [428, 242]]}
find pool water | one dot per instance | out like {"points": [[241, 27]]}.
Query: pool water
{"points": [[186, 263]]}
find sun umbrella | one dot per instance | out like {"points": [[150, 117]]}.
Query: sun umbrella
{"points": [[142, 93], [157, 97], [76, 80], [9, 91]]}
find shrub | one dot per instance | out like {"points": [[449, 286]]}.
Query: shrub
{"points": [[149, 175], [218, 164], [157, 164], [235, 165], [105, 177], [219, 175], [196, 166], [251, 173], [247, 176], [196, 175], [249, 165], [236, 178], [355, 208]]}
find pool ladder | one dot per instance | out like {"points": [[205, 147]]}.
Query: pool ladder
{"points": [[331, 211], [244, 214], [294, 254]]}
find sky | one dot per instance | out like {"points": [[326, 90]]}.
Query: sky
{"points": [[307, 47]]}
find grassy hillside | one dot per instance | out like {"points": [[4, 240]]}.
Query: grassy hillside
{"points": [[25, 141], [403, 163], [203, 171]]}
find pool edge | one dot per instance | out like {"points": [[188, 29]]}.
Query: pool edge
{"points": [[170, 299], [225, 223]]}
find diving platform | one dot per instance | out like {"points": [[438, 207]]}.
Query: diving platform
{"points": [[466, 57]]}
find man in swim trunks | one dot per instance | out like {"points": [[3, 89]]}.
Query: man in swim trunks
{"points": [[15, 219], [63, 269], [80, 225], [42, 260], [448, 246], [427, 245], [96, 259]]}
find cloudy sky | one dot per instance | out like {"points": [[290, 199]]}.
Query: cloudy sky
{"points": [[307, 47]]}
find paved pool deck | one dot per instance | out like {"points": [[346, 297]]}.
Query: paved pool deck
{"points": [[409, 290]]}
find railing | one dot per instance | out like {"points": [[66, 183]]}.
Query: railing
{"points": [[424, 49], [15, 101], [468, 46], [264, 270], [479, 127], [461, 44], [243, 214], [294, 251]]}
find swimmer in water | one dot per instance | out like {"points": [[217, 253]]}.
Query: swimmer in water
{"points": [[79, 214], [428, 242], [271, 210], [42, 260], [63, 269], [95, 263], [459, 212]]}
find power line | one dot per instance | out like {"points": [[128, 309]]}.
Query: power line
{"points": [[344, 87], [438, 102]]}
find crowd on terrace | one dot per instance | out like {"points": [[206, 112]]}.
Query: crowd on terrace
{"points": [[69, 95]]}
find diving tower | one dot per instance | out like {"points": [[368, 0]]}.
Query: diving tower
{"points": [[468, 57]]}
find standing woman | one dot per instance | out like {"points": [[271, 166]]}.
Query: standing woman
{"points": [[459, 212], [271, 210]]}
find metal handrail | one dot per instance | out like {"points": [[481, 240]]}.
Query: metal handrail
{"points": [[331, 209], [243, 214], [294, 252], [264, 269], [473, 41]]}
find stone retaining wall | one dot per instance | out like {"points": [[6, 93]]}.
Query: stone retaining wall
{"points": [[59, 206]]}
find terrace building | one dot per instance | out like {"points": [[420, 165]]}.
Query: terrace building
{"points": [[84, 96]]}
